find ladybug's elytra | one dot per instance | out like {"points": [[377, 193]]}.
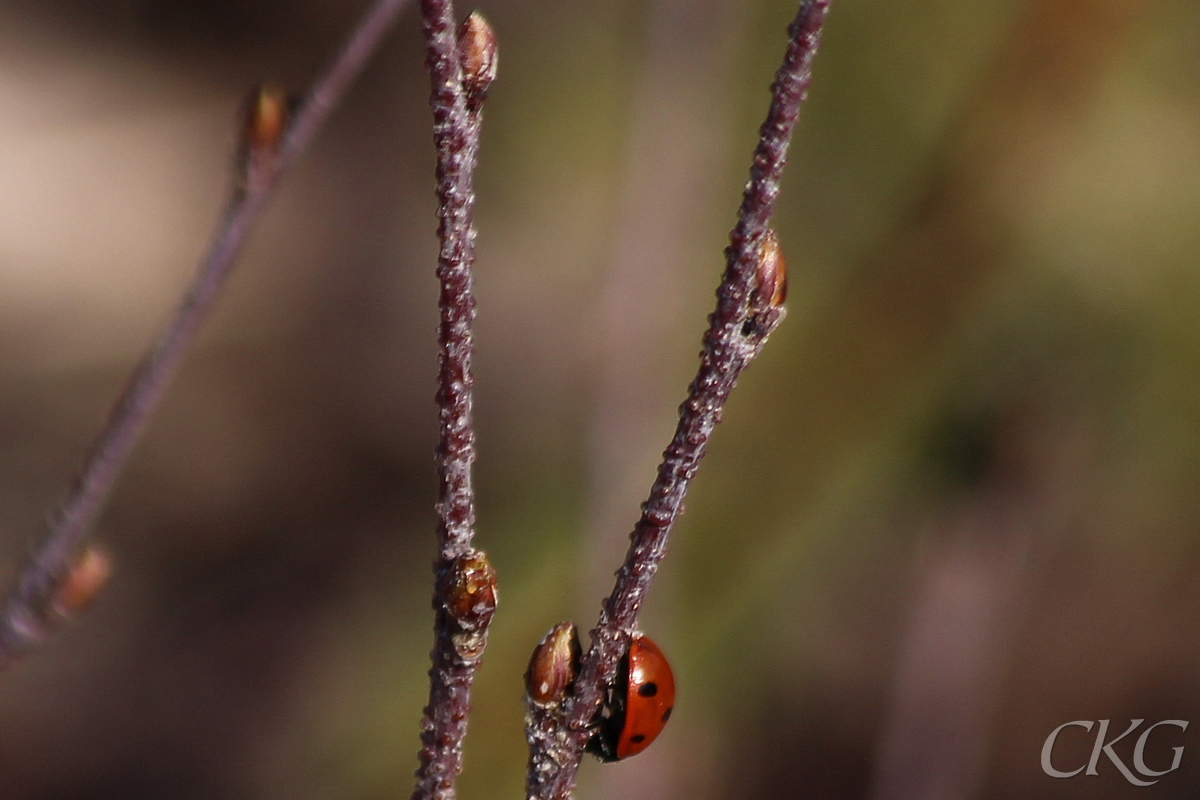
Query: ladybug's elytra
{"points": [[641, 703]]}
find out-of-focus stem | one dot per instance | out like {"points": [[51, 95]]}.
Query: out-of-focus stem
{"points": [[27, 617]]}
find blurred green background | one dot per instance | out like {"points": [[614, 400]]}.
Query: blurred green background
{"points": [[952, 506]]}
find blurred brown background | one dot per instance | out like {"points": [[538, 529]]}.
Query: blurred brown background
{"points": [[953, 505]]}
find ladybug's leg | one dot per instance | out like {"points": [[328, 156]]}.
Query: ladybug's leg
{"points": [[610, 719]]}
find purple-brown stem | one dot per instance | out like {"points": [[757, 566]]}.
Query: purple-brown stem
{"points": [[462, 615], [743, 319], [456, 197], [27, 618]]}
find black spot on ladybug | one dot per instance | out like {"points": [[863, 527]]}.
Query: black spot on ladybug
{"points": [[667, 714], [648, 689], [637, 738]]}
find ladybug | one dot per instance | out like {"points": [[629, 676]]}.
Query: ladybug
{"points": [[639, 705]]}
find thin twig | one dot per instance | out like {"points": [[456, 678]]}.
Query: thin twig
{"points": [[748, 309], [460, 68], [28, 618]]}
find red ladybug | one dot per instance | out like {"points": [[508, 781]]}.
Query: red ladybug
{"points": [[640, 704]]}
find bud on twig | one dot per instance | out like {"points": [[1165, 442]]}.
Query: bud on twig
{"points": [[553, 665], [770, 273], [264, 122], [478, 57], [765, 309], [82, 583], [470, 600]]}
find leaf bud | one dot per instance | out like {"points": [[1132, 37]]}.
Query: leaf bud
{"points": [[471, 595], [264, 122], [770, 273], [82, 582], [553, 665], [478, 57]]}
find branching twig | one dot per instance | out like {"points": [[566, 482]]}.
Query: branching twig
{"points": [[748, 309], [29, 615], [465, 586]]}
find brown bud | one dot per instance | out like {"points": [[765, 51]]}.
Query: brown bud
{"points": [[478, 56], [265, 117], [83, 581], [553, 665], [770, 273], [264, 122], [471, 595]]}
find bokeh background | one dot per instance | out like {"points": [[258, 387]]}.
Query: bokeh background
{"points": [[953, 505]]}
